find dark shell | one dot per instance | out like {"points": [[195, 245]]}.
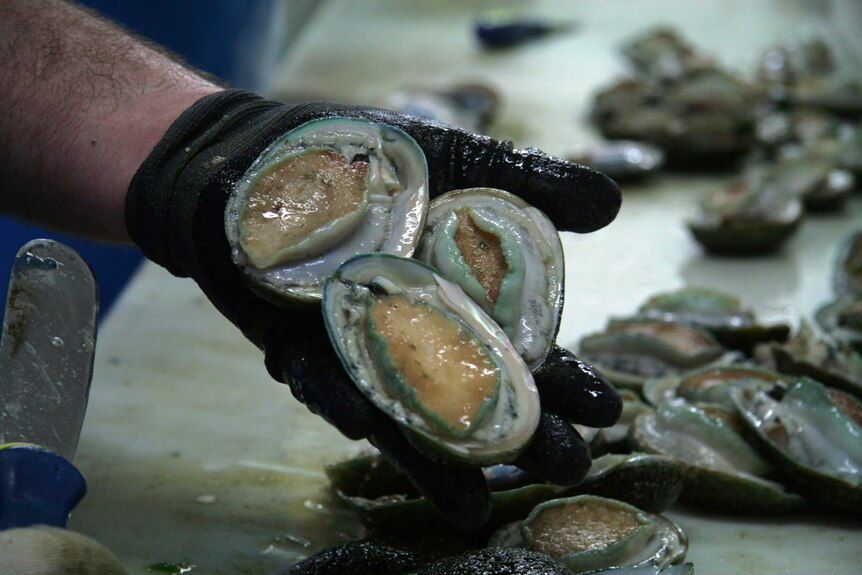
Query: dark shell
{"points": [[622, 159], [663, 54], [847, 270], [721, 471], [710, 385], [610, 102], [842, 320], [386, 502], [647, 481], [700, 115], [722, 314], [795, 59], [630, 352], [827, 360], [839, 92], [815, 180], [740, 221]]}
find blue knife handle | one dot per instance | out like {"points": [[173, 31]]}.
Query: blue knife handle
{"points": [[37, 486]]}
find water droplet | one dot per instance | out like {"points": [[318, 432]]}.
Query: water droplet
{"points": [[317, 507], [57, 341], [288, 547], [171, 568]]}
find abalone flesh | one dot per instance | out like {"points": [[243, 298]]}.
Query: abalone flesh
{"points": [[425, 354], [324, 192], [507, 256]]}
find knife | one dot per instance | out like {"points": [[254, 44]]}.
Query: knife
{"points": [[46, 362]]}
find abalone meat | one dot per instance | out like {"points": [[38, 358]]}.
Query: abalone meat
{"points": [[324, 192], [507, 256], [428, 356]]}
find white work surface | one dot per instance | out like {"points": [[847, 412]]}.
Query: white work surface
{"points": [[193, 455]]}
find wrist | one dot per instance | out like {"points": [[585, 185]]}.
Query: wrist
{"points": [[125, 138]]}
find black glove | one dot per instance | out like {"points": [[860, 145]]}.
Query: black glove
{"points": [[175, 213]]}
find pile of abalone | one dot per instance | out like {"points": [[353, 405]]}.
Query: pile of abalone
{"points": [[761, 418], [722, 412], [790, 133], [445, 342]]}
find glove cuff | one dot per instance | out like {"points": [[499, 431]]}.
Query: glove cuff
{"points": [[152, 192]]}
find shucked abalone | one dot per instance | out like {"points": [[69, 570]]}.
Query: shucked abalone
{"points": [[427, 355], [507, 256], [328, 190]]}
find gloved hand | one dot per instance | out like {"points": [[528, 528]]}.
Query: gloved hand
{"points": [[175, 213]]}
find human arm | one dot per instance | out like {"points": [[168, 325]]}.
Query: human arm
{"points": [[83, 105], [175, 212]]}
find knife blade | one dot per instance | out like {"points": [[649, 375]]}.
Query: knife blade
{"points": [[46, 360]]}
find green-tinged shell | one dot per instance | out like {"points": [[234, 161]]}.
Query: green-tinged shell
{"points": [[630, 352], [696, 305], [614, 439], [324, 192], [842, 320], [425, 354], [369, 476], [847, 270], [385, 502], [587, 533], [709, 385], [647, 481], [612, 102], [839, 92], [817, 181], [722, 471], [738, 220], [507, 256], [722, 314], [832, 362], [814, 436], [392, 514]]}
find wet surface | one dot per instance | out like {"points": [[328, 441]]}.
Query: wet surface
{"points": [[194, 455]]}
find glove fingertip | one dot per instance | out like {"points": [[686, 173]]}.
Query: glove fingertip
{"points": [[557, 452], [576, 198], [577, 391], [459, 494]]}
